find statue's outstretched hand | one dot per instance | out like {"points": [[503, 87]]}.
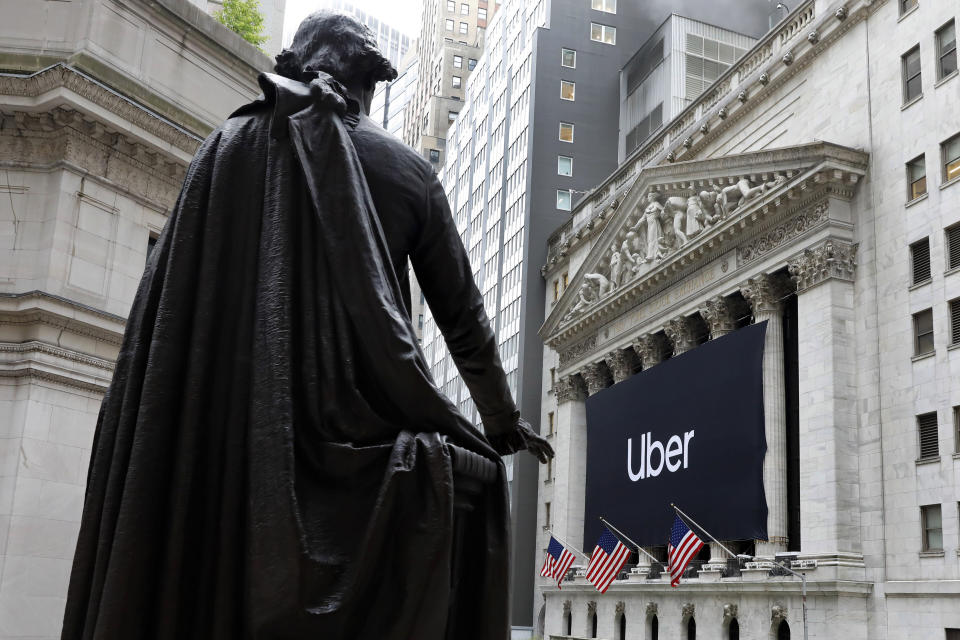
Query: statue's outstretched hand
{"points": [[522, 437]]}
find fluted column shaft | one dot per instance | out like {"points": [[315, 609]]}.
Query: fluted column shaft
{"points": [[570, 460], [765, 293]]}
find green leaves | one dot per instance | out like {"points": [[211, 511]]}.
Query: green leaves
{"points": [[243, 17]]}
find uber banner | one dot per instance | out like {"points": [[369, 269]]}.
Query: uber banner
{"points": [[688, 431]]}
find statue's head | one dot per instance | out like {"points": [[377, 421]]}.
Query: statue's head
{"points": [[338, 44], [653, 196]]}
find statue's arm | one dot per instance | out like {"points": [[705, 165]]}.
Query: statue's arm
{"points": [[443, 271]]}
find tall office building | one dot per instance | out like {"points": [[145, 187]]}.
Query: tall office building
{"points": [[531, 133], [393, 43], [273, 12]]}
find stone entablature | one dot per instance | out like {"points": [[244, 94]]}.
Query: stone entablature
{"points": [[785, 51], [776, 199]]}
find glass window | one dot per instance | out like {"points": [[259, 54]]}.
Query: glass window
{"points": [[932, 523], [566, 132], [567, 89], [609, 6], [566, 280], [603, 33], [457, 82], [568, 58], [546, 515], [906, 5], [452, 115], [564, 166], [956, 429], [955, 322], [481, 14], [953, 247], [927, 432], [556, 290], [448, 24], [563, 199], [920, 261], [434, 157], [471, 64], [550, 417], [950, 153], [463, 27], [916, 178], [457, 62], [912, 86], [946, 50], [464, 9], [451, 5], [923, 332]]}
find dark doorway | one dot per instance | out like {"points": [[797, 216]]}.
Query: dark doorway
{"points": [[654, 628], [733, 631], [691, 629], [783, 631], [623, 627], [567, 623], [593, 624]]}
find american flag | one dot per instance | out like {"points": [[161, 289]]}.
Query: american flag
{"points": [[608, 558], [684, 545], [557, 562]]}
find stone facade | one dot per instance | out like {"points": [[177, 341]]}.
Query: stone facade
{"points": [[102, 106], [782, 184]]}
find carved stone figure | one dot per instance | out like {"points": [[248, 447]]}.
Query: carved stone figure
{"points": [[734, 196], [652, 227], [271, 447], [710, 205], [616, 268]]}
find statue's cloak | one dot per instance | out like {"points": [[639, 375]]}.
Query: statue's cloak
{"points": [[268, 462]]}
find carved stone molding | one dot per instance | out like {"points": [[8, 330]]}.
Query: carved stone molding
{"points": [[592, 607], [729, 612], [718, 314], [778, 613], [597, 377], [831, 259], [687, 610], [782, 233], [650, 348], [651, 609], [577, 351], [621, 363], [680, 332], [570, 388], [620, 608], [765, 293]]}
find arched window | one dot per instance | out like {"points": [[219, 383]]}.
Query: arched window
{"points": [[691, 629], [593, 624], [623, 627], [783, 631], [733, 631], [654, 628], [567, 623]]}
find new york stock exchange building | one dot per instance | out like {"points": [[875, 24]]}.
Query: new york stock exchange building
{"points": [[757, 318]]}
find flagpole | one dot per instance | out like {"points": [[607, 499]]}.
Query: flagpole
{"points": [[567, 544], [803, 578], [622, 534], [697, 524]]}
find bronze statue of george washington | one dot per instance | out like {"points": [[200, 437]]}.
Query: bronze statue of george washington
{"points": [[273, 460]]}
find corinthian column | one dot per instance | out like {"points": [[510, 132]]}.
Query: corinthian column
{"points": [[570, 460], [620, 362], [680, 333], [765, 293], [597, 377], [650, 349]]}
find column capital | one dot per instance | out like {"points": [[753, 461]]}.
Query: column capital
{"points": [[650, 348], [592, 607], [765, 293], [569, 388], [680, 333], [621, 363], [831, 259], [597, 377], [619, 609], [687, 610], [718, 313], [651, 609]]}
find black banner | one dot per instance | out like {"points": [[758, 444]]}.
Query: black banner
{"points": [[688, 431]]}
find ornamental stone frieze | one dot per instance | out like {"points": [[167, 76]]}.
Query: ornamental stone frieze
{"points": [[676, 221], [831, 259], [621, 363], [680, 332], [577, 351], [597, 377], [718, 314], [570, 388]]}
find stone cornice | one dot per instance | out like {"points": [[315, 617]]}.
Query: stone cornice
{"points": [[780, 55], [50, 363], [37, 307]]}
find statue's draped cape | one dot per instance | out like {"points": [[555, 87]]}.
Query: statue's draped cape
{"points": [[269, 460]]}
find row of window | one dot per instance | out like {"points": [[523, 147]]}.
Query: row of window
{"points": [[458, 63], [949, 168], [732, 631], [465, 9], [923, 329], [449, 24], [931, 524], [920, 270], [945, 45], [928, 435]]}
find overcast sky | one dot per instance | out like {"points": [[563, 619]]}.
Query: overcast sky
{"points": [[402, 14]]}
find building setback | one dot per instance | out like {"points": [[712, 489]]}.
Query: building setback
{"points": [[512, 167], [833, 150]]}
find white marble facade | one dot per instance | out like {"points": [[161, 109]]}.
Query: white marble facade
{"points": [[810, 133], [103, 104]]}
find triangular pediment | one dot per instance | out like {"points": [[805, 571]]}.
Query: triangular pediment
{"points": [[672, 215]]}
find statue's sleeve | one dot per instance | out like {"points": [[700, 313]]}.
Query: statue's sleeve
{"points": [[443, 271]]}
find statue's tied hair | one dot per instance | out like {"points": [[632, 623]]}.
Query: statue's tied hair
{"points": [[338, 44]]}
